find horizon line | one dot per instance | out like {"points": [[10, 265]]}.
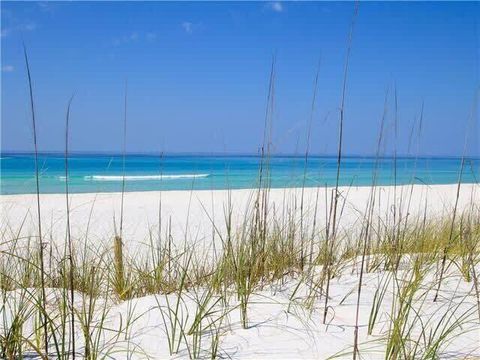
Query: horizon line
{"points": [[233, 154]]}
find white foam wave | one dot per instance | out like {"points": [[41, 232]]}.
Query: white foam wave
{"points": [[143, 177]]}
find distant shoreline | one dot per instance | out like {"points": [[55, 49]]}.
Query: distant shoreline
{"points": [[292, 188]]}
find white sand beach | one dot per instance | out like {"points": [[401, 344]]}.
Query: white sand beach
{"points": [[193, 213], [280, 324]]}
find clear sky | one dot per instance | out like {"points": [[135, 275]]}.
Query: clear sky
{"points": [[198, 74]]}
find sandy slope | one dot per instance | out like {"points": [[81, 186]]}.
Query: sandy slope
{"points": [[280, 326]]}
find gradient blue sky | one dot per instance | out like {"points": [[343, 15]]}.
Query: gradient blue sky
{"points": [[198, 74]]}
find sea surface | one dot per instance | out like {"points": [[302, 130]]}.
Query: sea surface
{"points": [[104, 173]]}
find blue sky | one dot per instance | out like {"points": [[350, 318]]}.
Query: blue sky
{"points": [[198, 74]]}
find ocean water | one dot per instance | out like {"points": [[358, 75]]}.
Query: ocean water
{"points": [[104, 173]]}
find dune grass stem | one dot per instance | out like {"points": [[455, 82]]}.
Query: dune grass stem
{"points": [[305, 166], [37, 187], [451, 232], [69, 237], [367, 225], [118, 241], [331, 238]]}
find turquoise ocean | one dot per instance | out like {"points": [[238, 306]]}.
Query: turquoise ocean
{"points": [[104, 173]]}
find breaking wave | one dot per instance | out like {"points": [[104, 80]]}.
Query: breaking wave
{"points": [[143, 177]]}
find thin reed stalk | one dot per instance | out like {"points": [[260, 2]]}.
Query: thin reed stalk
{"points": [[305, 167], [451, 233], [120, 280], [459, 183], [331, 238], [366, 232], [43, 320], [69, 236]]}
